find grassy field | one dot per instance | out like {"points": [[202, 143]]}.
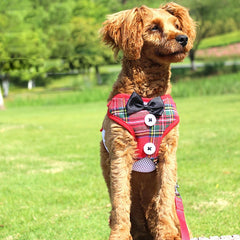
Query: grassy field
{"points": [[220, 40], [187, 87], [51, 183]]}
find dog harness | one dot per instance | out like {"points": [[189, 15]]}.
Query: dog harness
{"points": [[148, 120]]}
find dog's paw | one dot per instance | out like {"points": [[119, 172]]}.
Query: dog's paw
{"points": [[169, 236], [120, 235]]}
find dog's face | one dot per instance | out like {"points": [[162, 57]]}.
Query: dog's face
{"points": [[163, 35]]}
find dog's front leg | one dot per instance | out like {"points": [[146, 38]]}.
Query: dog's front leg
{"points": [[164, 223], [122, 147]]}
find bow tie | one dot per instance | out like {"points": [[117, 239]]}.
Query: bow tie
{"points": [[136, 104]]}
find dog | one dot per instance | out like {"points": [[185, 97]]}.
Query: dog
{"points": [[140, 131]]}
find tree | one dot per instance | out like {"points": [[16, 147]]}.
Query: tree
{"points": [[23, 40], [33, 31], [206, 14], [85, 24], [1, 100]]}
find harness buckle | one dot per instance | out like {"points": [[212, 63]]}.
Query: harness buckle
{"points": [[176, 191], [155, 161]]}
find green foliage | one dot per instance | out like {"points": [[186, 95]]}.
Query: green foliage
{"points": [[37, 18], [214, 68], [220, 40], [212, 18], [223, 26], [68, 30], [59, 13], [205, 86], [58, 41], [80, 89]]}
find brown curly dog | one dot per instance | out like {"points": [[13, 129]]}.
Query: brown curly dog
{"points": [[142, 192]]}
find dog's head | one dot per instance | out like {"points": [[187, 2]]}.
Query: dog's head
{"points": [[163, 35]]}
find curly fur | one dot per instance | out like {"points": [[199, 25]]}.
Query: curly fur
{"points": [[143, 204]]}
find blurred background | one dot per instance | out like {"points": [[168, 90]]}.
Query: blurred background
{"points": [[55, 78], [51, 47]]}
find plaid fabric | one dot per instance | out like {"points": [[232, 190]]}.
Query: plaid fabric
{"points": [[135, 122]]}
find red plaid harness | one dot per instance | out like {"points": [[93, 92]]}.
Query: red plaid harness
{"points": [[136, 123], [146, 134]]}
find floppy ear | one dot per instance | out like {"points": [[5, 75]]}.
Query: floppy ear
{"points": [[123, 31], [187, 23]]}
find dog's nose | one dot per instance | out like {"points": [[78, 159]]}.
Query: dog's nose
{"points": [[182, 39]]}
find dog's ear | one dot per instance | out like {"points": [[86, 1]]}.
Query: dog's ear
{"points": [[123, 31], [187, 24]]}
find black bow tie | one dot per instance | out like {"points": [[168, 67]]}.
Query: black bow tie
{"points": [[136, 104]]}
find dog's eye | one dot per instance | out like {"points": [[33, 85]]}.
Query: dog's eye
{"points": [[155, 28], [178, 26]]}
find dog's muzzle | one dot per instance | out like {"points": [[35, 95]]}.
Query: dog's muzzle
{"points": [[182, 39]]}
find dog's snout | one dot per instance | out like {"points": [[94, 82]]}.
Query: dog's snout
{"points": [[182, 39]]}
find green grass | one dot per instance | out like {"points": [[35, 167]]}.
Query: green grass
{"points": [[208, 162], [51, 183], [57, 97], [220, 40], [209, 85]]}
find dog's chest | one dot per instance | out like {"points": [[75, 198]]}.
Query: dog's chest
{"points": [[147, 129]]}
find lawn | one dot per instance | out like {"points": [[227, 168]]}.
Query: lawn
{"points": [[51, 183], [185, 87], [220, 40]]}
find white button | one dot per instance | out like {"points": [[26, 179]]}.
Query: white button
{"points": [[150, 120], [149, 148]]}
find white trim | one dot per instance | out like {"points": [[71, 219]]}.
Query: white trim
{"points": [[144, 165], [103, 138]]}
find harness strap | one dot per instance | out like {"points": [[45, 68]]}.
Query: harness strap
{"points": [[181, 217]]}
